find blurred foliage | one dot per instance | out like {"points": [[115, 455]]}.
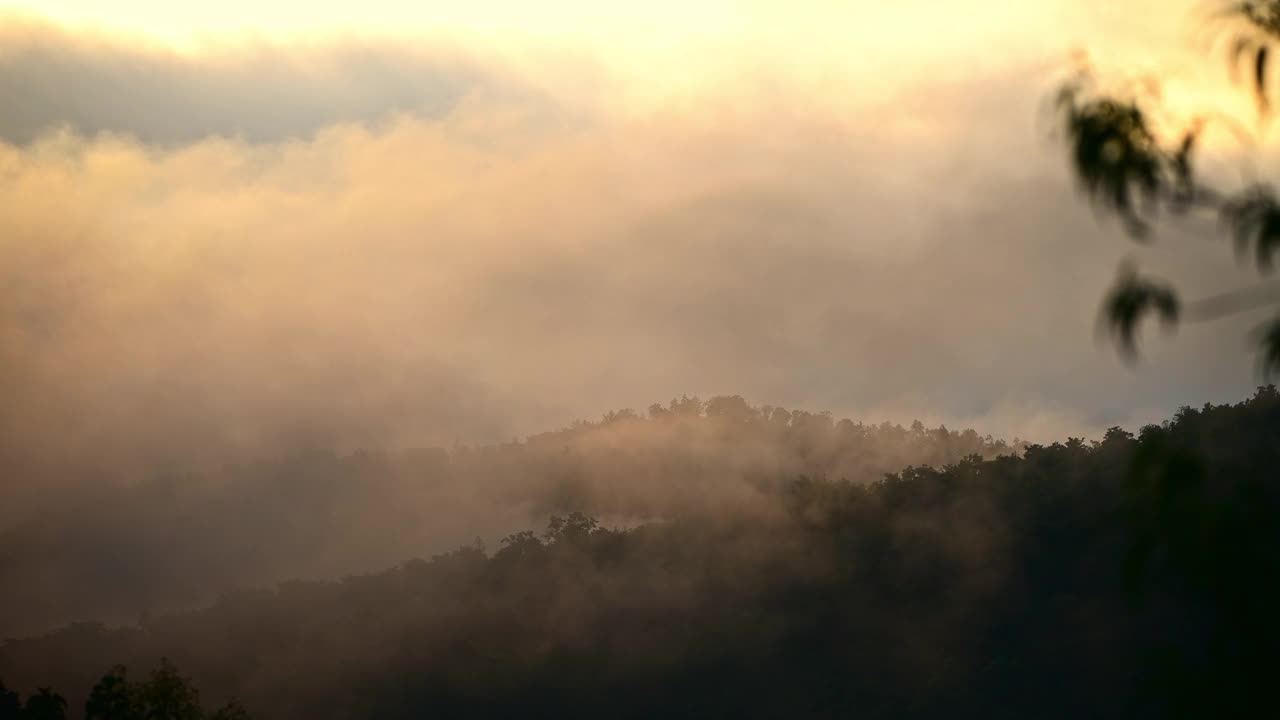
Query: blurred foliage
{"points": [[1253, 217], [1268, 336], [1133, 298], [1125, 168], [1115, 156]]}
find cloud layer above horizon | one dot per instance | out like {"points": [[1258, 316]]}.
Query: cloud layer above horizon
{"points": [[380, 243]]}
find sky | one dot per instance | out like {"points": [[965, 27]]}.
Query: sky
{"points": [[399, 224]]}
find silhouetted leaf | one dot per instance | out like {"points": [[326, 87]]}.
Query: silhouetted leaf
{"points": [[1239, 47], [1254, 219], [1185, 192], [1263, 15], [1260, 79], [1261, 27], [1268, 338], [1131, 300], [1114, 155]]}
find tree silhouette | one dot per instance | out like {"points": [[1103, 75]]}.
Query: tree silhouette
{"points": [[165, 695], [45, 705], [1125, 167], [573, 530], [10, 704], [168, 695], [113, 698]]}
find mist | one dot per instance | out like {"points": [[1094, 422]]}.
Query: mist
{"points": [[516, 264], [278, 310], [122, 549], [912, 590], [451, 262]]}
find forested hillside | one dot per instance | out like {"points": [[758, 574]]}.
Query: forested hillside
{"points": [[1129, 577], [125, 543]]}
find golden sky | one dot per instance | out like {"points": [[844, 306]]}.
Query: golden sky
{"points": [[666, 44], [803, 27], [659, 52]]}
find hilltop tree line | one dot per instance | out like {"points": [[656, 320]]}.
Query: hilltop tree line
{"points": [[1135, 576]]}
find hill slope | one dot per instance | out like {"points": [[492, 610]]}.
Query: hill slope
{"points": [[1133, 577]]}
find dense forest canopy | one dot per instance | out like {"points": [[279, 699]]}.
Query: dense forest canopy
{"points": [[1135, 576]]}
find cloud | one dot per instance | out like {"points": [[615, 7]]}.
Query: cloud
{"points": [[259, 92], [493, 271]]}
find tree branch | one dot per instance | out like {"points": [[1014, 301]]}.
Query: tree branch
{"points": [[1230, 303]]}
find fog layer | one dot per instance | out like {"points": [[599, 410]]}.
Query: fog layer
{"points": [[467, 251]]}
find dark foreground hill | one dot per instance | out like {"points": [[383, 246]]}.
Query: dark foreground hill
{"points": [[1132, 577]]}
